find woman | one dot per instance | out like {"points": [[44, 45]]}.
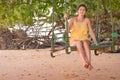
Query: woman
{"points": [[79, 27]]}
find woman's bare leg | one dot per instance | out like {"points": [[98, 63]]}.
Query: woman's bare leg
{"points": [[87, 50], [87, 53], [79, 46]]}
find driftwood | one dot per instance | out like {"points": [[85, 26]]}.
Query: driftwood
{"points": [[19, 34]]}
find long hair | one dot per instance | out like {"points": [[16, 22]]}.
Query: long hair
{"points": [[82, 5]]}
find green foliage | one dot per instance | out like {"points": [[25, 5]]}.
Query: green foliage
{"points": [[24, 11]]}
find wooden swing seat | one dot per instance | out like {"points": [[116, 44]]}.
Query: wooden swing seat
{"points": [[92, 47], [95, 47]]}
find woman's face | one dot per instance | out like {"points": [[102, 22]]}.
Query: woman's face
{"points": [[82, 11]]}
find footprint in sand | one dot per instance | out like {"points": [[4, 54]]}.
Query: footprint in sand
{"points": [[22, 74], [29, 74], [68, 76], [24, 70], [5, 56], [4, 74], [98, 69], [113, 77], [44, 77], [38, 75], [73, 75]]}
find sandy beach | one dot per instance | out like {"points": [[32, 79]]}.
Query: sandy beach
{"points": [[38, 65]]}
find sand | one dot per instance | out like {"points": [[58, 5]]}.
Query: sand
{"points": [[38, 65]]}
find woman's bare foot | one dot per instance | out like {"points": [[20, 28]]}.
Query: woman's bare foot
{"points": [[86, 65], [90, 67]]}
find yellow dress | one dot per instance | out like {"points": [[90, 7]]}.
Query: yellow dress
{"points": [[79, 31]]}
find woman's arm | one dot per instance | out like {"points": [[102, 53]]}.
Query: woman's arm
{"points": [[92, 34], [70, 24]]}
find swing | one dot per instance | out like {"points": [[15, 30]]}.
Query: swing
{"points": [[65, 37]]}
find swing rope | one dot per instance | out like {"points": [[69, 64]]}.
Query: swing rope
{"points": [[113, 34], [98, 24], [65, 36], [52, 40], [67, 46]]}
